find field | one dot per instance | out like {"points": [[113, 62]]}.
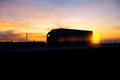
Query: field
{"points": [[42, 54]]}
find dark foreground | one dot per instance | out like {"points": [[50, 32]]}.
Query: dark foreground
{"points": [[60, 55]]}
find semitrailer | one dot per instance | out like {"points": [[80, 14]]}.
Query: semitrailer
{"points": [[63, 36]]}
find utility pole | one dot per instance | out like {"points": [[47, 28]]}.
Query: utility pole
{"points": [[26, 37], [11, 37], [26, 34]]}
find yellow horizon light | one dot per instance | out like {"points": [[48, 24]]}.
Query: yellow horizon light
{"points": [[96, 39]]}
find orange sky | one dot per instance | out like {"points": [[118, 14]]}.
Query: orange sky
{"points": [[40, 16]]}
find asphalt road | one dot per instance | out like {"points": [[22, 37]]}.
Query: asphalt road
{"points": [[77, 55]]}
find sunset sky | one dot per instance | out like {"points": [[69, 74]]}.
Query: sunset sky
{"points": [[40, 16]]}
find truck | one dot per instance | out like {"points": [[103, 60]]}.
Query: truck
{"points": [[62, 36]]}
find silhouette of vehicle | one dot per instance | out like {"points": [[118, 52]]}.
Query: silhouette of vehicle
{"points": [[69, 36]]}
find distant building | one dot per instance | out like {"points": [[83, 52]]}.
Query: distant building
{"points": [[69, 36]]}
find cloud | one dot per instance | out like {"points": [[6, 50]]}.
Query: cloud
{"points": [[117, 28], [25, 12], [12, 24], [10, 35], [117, 18]]}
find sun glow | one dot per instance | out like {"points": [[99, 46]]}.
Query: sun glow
{"points": [[96, 39]]}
